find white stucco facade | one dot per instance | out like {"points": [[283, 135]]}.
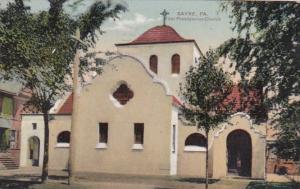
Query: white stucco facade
{"points": [[154, 104], [28, 131], [187, 51], [174, 141], [57, 151]]}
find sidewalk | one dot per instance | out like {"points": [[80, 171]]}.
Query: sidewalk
{"points": [[282, 178], [294, 177], [115, 181], [58, 180], [21, 174], [32, 174]]}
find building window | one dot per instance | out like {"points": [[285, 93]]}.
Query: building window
{"points": [[153, 63], [139, 133], [195, 142], [63, 139], [173, 138], [4, 139], [123, 94], [195, 139], [6, 106], [13, 139], [175, 64], [103, 132], [12, 135], [34, 126]]}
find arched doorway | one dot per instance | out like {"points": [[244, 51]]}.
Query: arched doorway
{"points": [[34, 150], [239, 153]]}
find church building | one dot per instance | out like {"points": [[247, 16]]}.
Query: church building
{"points": [[129, 121]]}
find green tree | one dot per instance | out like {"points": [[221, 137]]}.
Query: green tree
{"points": [[266, 52], [37, 50], [287, 146], [204, 92]]}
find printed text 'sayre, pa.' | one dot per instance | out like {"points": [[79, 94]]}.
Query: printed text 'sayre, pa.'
{"points": [[192, 16]]}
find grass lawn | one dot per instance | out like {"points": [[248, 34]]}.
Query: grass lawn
{"points": [[4, 184], [273, 185]]}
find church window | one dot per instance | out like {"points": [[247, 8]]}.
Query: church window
{"points": [[6, 106], [103, 132], [195, 139], [34, 125], [123, 94], [153, 63], [63, 137], [175, 64], [13, 135], [139, 133]]}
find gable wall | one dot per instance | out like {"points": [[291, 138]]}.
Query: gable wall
{"points": [[150, 105], [258, 142]]}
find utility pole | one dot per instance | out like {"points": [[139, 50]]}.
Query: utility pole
{"points": [[75, 93]]}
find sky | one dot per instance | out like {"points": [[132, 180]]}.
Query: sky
{"points": [[192, 19]]}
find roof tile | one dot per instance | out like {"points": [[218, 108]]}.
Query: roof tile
{"points": [[159, 34], [67, 107]]}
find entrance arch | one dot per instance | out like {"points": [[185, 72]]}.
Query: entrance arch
{"points": [[34, 150], [239, 153]]}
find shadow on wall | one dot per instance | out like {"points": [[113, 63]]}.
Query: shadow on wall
{"points": [[273, 185], [197, 180]]}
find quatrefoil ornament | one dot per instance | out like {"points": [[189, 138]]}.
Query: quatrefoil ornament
{"points": [[123, 94]]}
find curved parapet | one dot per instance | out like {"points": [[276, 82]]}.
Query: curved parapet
{"points": [[227, 124], [154, 77]]}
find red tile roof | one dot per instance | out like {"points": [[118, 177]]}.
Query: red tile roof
{"points": [[158, 34], [242, 102], [176, 101], [67, 107]]}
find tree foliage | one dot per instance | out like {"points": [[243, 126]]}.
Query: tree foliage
{"points": [[266, 52], [287, 145], [204, 92], [35, 54], [37, 50]]}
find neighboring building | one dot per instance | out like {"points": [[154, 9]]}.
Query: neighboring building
{"points": [[12, 98], [129, 122], [276, 165]]}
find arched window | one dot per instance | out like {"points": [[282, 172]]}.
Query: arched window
{"points": [[175, 64], [63, 137], [153, 63], [34, 150], [195, 139]]}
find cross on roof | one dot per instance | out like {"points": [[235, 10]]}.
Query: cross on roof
{"points": [[164, 14]]}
